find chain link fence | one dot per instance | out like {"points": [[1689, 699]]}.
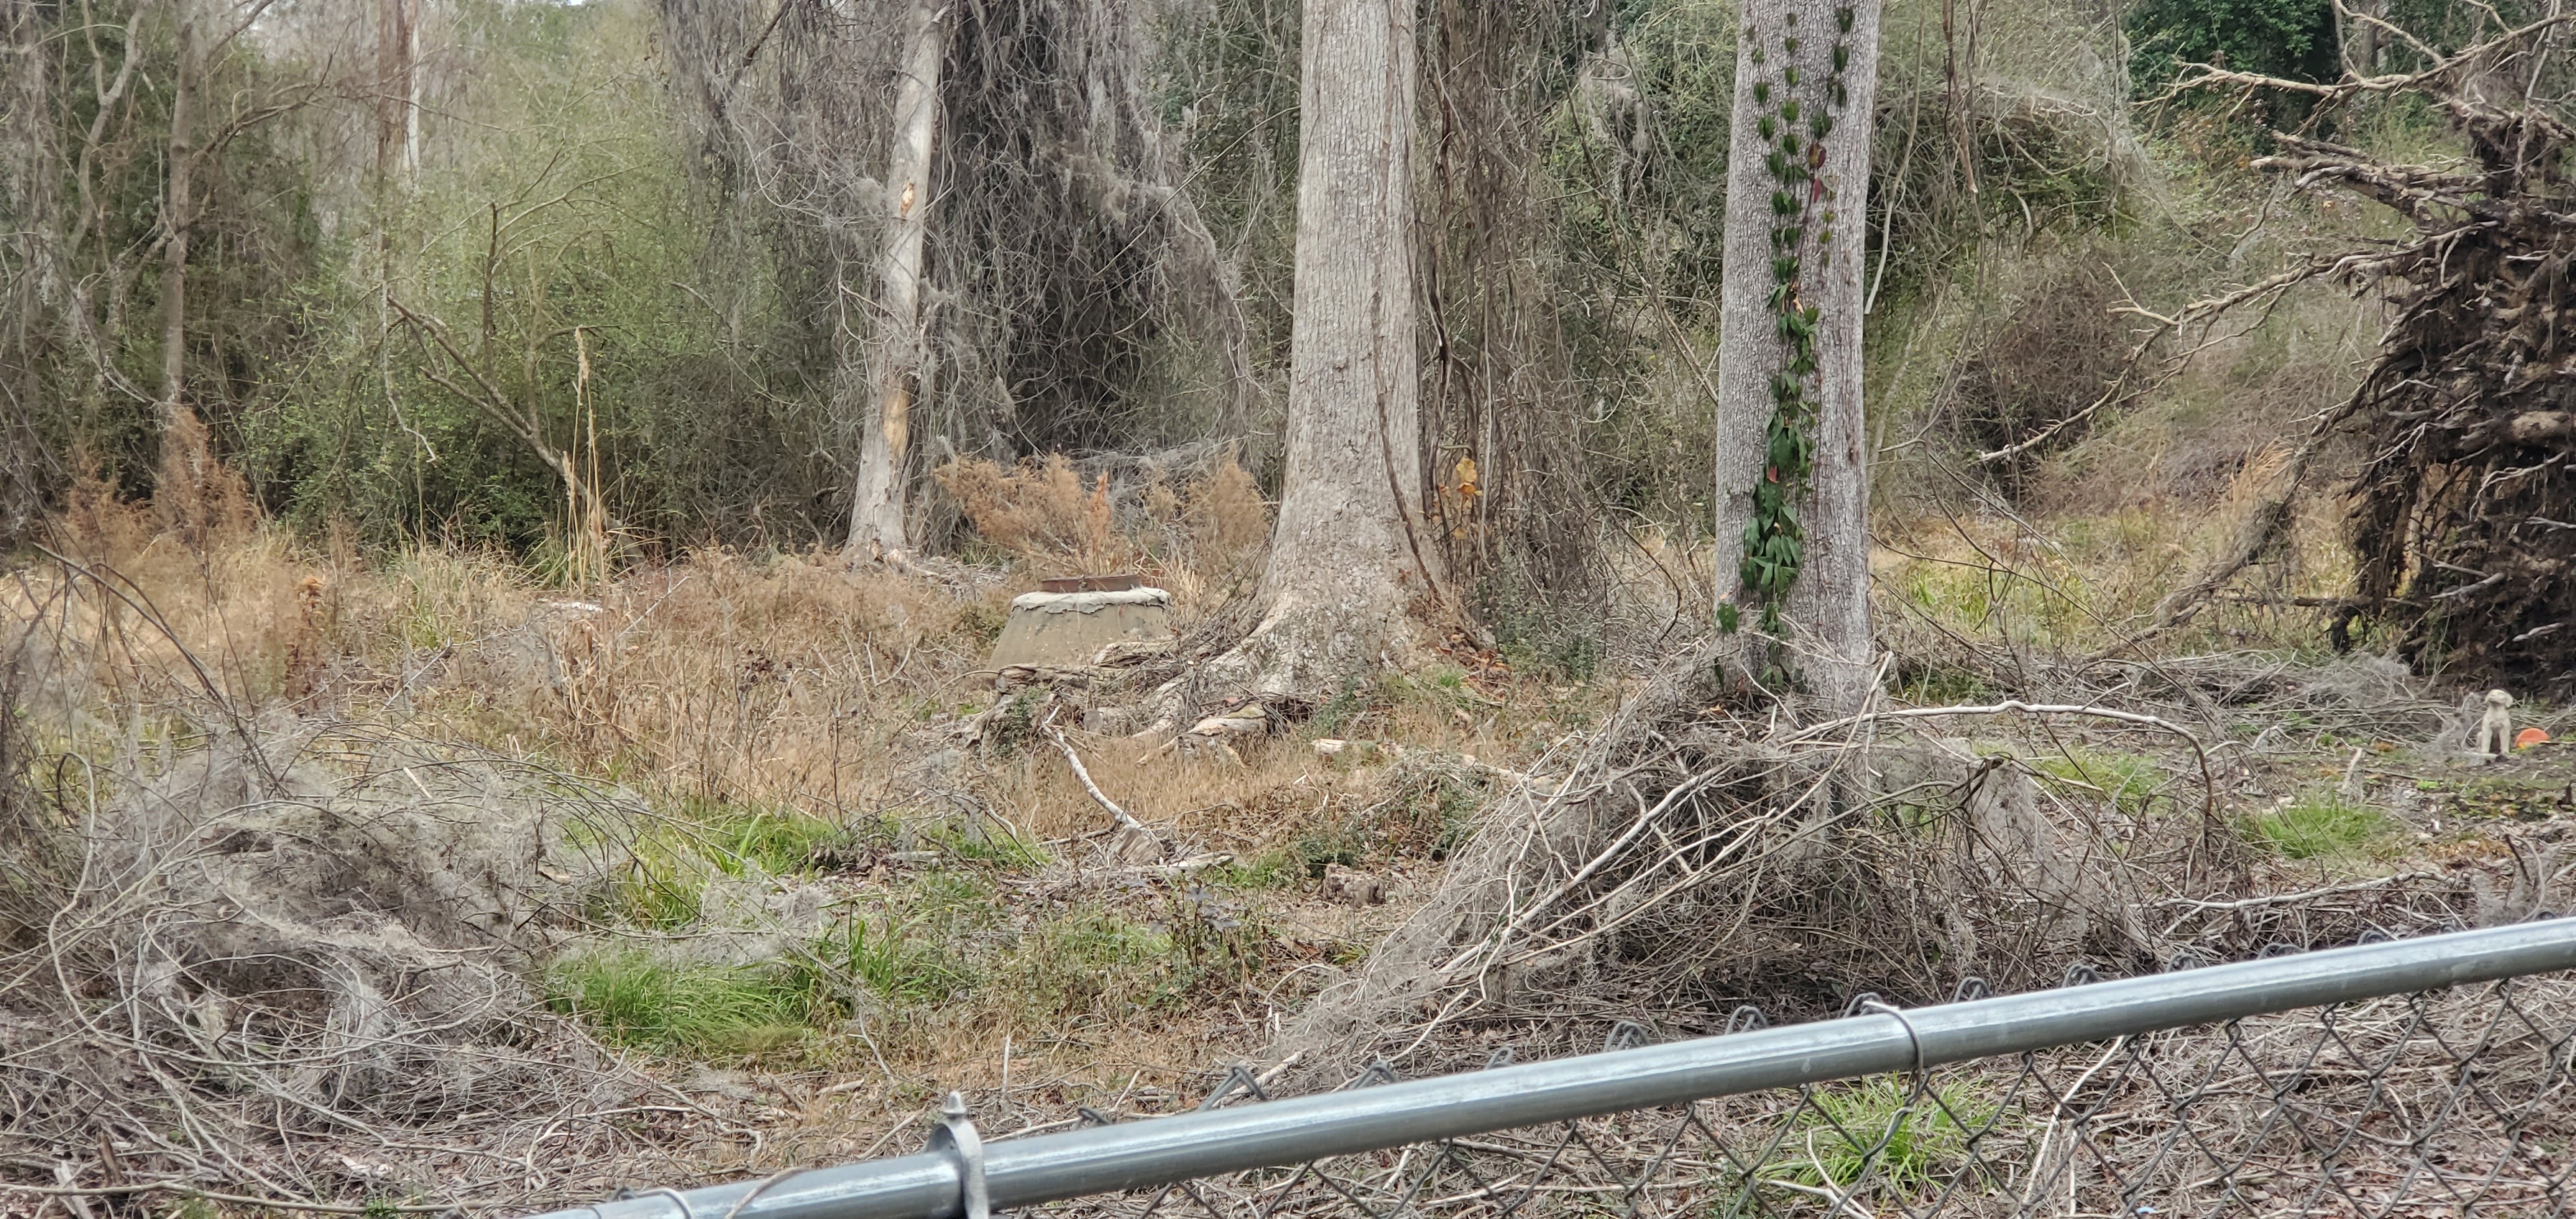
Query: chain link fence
{"points": [[2435, 1082], [2429, 1104]]}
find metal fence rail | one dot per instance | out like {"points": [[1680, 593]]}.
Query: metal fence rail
{"points": [[2357, 1081]]}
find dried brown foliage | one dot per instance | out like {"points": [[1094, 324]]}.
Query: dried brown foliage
{"points": [[1034, 509], [1045, 514], [198, 497], [1226, 514]]}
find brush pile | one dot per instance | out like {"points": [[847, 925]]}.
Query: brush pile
{"points": [[264, 959], [1693, 857]]}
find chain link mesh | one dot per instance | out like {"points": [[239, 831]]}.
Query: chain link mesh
{"points": [[2443, 1103]]}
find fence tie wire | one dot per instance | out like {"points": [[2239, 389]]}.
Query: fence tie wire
{"points": [[1872, 1003], [956, 1135]]}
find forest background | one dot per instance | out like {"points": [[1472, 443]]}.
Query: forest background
{"points": [[585, 284], [450, 750]]}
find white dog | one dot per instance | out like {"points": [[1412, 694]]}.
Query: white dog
{"points": [[2495, 728]]}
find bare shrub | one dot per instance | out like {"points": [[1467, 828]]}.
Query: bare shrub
{"points": [[2059, 352], [1694, 857], [1034, 510]]}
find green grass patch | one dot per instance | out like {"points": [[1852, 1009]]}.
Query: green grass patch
{"points": [[703, 838], [632, 998], [2130, 782], [778, 840], [705, 1011], [2315, 827], [1880, 1129], [994, 845], [899, 964], [1092, 958], [951, 900]]}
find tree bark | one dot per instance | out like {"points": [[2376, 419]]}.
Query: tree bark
{"points": [[1795, 217], [1345, 555], [397, 100], [30, 187], [877, 504], [174, 214]]}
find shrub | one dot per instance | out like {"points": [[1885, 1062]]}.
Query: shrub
{"points": [[1036, 510]]}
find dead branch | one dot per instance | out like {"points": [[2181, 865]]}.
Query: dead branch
{"points": [[1124, 819]]}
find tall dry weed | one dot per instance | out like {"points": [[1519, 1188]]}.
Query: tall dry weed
{"points": [[198, 496], [1042, 514], [1037, 511], [1226, 514]]}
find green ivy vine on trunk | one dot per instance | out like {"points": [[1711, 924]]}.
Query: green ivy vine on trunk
{"points": [[1794, 134]]}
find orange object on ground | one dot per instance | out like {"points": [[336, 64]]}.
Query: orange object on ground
{"points": [[2529, 737]]}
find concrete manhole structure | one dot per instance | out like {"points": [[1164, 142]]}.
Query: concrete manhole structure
{"points": [[1071, 622]]}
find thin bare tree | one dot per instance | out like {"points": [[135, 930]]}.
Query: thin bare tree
{"points": [[177, 209], [885, 432]]}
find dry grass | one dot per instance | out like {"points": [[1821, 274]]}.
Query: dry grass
{"points": [[817, 880], [1193, 536], [834, 901]]}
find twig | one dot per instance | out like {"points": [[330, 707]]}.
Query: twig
{"points": [[1125, 821], [2208, 786], [2283, 899], [1271, 1076], [73, 1193]]}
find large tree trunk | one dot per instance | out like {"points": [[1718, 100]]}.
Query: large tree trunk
{"points": [[877, 506], [1344, 555], [1794, 224]]}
